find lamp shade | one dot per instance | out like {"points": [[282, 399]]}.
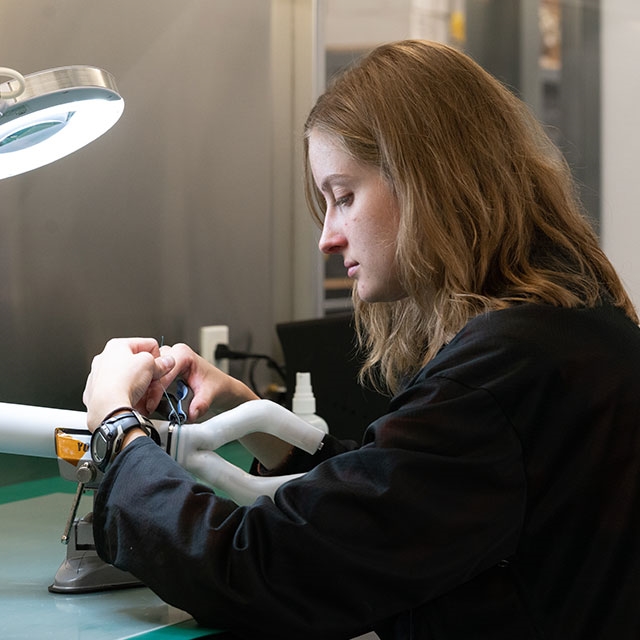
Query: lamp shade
{"points": [[50, 114]]}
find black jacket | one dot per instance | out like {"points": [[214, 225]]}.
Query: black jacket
{"points": [[499, 499]]}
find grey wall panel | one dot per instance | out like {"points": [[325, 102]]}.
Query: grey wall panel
{"points": [[162, 225]]}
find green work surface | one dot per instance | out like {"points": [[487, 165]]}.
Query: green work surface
{"points": [[32, 517]]}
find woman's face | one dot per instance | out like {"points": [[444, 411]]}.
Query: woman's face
{"points": [[361, 221]]}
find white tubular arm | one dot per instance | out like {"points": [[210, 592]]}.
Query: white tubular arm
{"points": [[241, 487], [250, 417], [29, 431], [196, 442]]}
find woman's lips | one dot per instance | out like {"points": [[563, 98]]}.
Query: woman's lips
{"points": [[351, 268]]}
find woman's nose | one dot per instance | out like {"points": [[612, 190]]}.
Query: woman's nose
{"points": [[332, 240]]}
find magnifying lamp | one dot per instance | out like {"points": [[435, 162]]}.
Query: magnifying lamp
{"points": [[48, 115]]}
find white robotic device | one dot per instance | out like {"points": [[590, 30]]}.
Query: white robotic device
{"points": [[63, 434]]}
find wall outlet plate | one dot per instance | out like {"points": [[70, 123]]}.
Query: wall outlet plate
{"points": [[210, 337]]}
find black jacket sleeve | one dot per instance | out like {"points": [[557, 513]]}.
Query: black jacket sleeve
{"points": [[428, 502]]}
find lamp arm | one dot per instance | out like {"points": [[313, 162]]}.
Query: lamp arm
{"points": [[20, 82]]}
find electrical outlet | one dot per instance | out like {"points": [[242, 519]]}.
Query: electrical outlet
{"points": [[210, 338]]}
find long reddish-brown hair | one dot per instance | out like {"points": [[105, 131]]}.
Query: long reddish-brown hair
{"points": [[489, 216]]}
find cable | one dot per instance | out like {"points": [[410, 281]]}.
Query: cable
{"points": [[223, 352]]}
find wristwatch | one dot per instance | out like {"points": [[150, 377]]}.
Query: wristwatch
{"points": [[106, 441]]}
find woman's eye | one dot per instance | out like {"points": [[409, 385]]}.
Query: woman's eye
{"points": [[344, 201]]}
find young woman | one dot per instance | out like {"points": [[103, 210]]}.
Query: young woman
{"points": [[498, 498]]}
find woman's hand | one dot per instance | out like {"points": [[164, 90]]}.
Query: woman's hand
{"points": [[134, 372], [126, 374], [210, 385]]}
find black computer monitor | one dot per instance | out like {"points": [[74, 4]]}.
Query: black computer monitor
{"points": [[327, 349]]}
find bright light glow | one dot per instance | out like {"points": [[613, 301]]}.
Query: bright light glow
{"points": [[49, 134], [40, 127]]}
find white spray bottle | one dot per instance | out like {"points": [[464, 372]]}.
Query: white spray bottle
{"points": [[304, 402]]}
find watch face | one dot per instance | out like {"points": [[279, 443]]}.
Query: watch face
{"points": [[107, 439], [99, 447]]}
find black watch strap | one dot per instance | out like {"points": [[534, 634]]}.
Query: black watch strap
{"points": [[107, 439]]}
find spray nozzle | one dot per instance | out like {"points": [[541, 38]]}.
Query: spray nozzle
{"points": [[304, 402]]}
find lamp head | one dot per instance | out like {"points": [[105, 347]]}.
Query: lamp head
{"points": [[50, 114]]}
